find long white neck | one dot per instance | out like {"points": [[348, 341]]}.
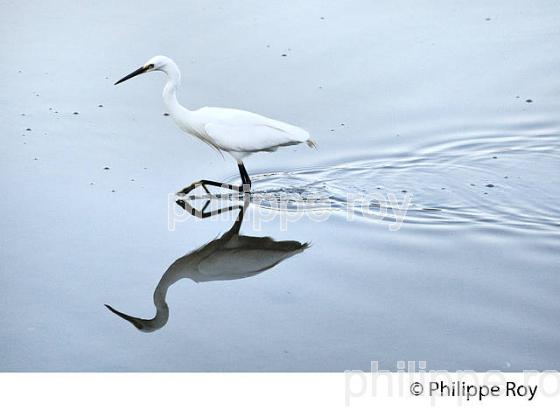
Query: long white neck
{"points": [[170, 89], [162, 309], [181, 268]]}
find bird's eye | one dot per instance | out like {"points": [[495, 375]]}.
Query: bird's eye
{"points": [[150, 66]]}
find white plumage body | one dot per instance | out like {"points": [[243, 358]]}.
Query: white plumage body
{"points": [[238, 132]]}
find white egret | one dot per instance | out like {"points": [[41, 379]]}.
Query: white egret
{"points": [[237, 132], [229, 257]]}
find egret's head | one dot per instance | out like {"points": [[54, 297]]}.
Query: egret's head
{"points": [[157, 63], [145, 325]]}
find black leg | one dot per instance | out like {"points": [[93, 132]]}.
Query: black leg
{"points": [[185, 200], [205, 182], [241, 173], [245, 180], [244, 175]]}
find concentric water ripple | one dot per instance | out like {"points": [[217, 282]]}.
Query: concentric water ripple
{"points": [[478, 180]]}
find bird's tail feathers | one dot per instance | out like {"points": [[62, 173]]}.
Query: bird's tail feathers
{"points": [[311, 143]]}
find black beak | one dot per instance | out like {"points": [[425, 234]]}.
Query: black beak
{"points": [[131, 319], [134, 74]]}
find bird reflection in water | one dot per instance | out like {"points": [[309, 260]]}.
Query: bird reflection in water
{"points": [[229, 257]]}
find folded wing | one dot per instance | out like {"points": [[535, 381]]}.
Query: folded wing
{"points": [[254, 137]]}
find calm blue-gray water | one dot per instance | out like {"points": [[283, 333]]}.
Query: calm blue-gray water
{"points": [[453, 105]]}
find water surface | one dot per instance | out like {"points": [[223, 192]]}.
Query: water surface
{"points": [[454, 106]]}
